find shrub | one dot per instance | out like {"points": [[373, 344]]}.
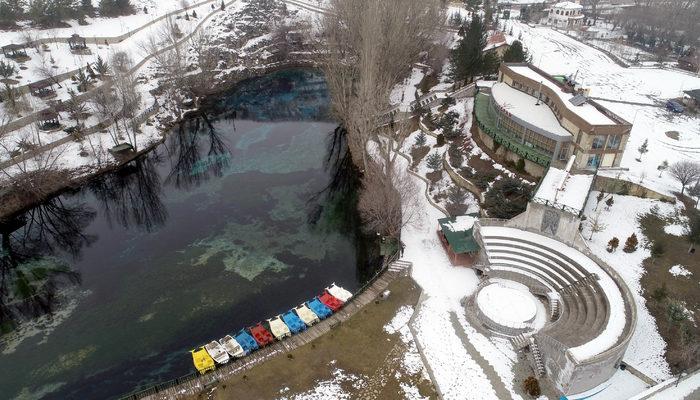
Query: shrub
{"points": [[532, 386], [455, 154], [507, 198], [657, 249], [613, 244], [660, 293], [609, 202], [520, 165], [434, 162], [631, 244], [421, 139], [440, 140], [676, 312]]}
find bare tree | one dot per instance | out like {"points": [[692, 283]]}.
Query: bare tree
{"points": [[368, 46], [385, 209], [685, 172], [596, 225]]}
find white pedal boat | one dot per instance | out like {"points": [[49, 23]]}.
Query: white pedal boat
{"points": [[305, 314], [217, 352], [232, 347], [339, 293], [278, 328]]}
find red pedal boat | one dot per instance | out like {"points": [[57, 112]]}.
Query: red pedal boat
{"points": [[261, 335], [330, 301]]}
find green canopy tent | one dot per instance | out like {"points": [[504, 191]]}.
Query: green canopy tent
{"points": [[456, 234]]}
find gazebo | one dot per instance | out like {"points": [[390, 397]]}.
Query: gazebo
{"points": [[456, 234], [42, 89], [77, 42], [48, 119], [14, 51]]}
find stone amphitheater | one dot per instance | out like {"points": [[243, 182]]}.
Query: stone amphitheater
{"points": [[570, 312]]}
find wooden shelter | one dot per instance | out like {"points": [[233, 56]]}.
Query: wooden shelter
{"points": [[48, 119], [14, 51], [77, 42], [456, 234], [42, 88]]}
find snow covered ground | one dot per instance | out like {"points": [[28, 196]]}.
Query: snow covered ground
{"points": [[647, 347], [557, 53]]}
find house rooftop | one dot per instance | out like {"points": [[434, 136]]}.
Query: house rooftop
{"points": [[524, 107], [586, 111], [568, 5]]}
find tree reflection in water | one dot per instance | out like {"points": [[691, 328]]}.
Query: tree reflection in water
{"points": [[30, 271], [339, 200], [132, 195], [190, 163]]}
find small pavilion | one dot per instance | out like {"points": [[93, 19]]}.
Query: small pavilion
{"points": [[14, 51], [48, 119], [456, 234], [42, 88], [77, 42]]}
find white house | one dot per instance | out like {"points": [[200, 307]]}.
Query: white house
{"points": [[566, 15]]}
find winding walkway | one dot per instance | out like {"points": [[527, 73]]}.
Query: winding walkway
{"points": [[20, 123]]}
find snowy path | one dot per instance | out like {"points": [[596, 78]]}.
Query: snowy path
{"points": [[463, 363]]}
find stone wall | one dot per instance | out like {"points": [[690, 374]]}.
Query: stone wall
{"points": [[624, 187]]}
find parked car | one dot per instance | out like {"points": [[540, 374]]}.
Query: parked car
{"points": [[674, 106]]}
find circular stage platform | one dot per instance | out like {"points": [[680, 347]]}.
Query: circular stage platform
{"points": [[505, 307]]}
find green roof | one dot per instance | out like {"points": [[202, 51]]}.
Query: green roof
{"points": [[460, 241]]}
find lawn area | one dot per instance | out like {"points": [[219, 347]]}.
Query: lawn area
{"points": [[359, 357], [663, 291]]}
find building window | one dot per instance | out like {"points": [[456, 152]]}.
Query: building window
{"points": [[598, 142], [614, 142], [593, 161], [563, 152]]}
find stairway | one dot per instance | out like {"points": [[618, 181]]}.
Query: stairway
{"points": [[520, 342], [400, 266], [536, 358], [554, 308]]}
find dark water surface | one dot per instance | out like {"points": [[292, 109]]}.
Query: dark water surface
{"points": [[220, 227]]}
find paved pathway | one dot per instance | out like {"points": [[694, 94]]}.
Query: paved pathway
{"points": [[495, 380]]}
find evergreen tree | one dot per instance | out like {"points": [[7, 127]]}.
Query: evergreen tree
{"points": [[421, 139], [693, 231], [223, 6], [694, 191], [50, 12], [516, 53], [86, 7], [468, 58], [194, 14], [114, 8], [10, 11], [101, 67], [7, 70], [613, 244], [434, 162], [631, 244]]}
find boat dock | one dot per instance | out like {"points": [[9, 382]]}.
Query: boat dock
{"points": [[195, 383]]}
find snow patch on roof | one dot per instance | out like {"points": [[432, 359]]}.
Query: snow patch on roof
{"points": [[562, 188], [523, 106]]}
